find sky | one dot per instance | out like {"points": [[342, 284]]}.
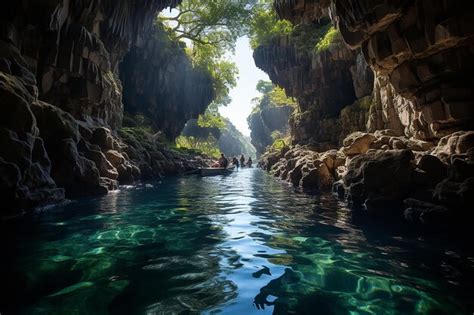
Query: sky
{"points": [[241, 106]]}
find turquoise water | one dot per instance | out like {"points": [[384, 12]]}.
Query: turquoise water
{"points": [[191, 245]]}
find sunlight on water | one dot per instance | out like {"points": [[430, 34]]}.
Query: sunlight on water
{"points": [[215, 245]]}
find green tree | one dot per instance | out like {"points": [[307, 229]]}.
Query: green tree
{"points": [[265, 25], [264, 87], [210, 30], [211, 118], [278, 97], [272, 96], [217, 23]]}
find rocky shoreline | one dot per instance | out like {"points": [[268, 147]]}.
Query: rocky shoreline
{"points": [[385, 111], [68, 76], [51, 155], [379, 171]]}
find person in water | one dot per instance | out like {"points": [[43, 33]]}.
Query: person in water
{"points": [[249, 162], [223, 162], [235, 162], [242, 160]]}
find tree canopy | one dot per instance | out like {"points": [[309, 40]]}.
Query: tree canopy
{"points": [[265, 25], [217, 23], [272, 95], [210, 30]]}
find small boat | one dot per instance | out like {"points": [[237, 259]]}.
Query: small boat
{"points": [[214, 171]]}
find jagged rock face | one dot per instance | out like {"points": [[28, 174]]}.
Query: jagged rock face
{"points": [[25, 166], [61, 97], [423, 49], [73, 48], [161, 83], [416, 157], [323, 83], [266, 121], [150, 158], [314, 79], [233, 143], [299, 11]]}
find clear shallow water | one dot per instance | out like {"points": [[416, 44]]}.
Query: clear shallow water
{"points": [[195, 245]]}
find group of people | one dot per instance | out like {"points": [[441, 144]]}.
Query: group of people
{"points": [[224, 161]]}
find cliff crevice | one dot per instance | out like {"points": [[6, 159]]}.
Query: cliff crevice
{"points": [[61, 127]]}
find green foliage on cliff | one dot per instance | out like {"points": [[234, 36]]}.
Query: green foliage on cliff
{"points": [[233, 143], [208, 139], [278, 97], [264, 87], [330, 37], [265, 25], [206, 146], [272, 96], [211, 118], [280, 143]]}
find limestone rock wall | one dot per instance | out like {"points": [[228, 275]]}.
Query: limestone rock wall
{"points": [[299, 11], [61, 99], [73, 47], [161, 83], [417, 159], [323, 83], [421, 54], [264, 122]]}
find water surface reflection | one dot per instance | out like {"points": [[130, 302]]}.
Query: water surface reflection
{"points": [[241, 244]]}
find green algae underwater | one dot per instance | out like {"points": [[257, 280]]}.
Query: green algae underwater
{"points": [[240, 244]]}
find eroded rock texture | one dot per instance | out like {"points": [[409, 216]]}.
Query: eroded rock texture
{"points": [[264, 122], [323, 82], [161, 83], [421, 54], [61, 99], [417, 151]]}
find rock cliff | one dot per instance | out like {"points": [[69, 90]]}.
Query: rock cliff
{"points": [[417, 154], [324, 82], [266, 121], [233, 143], [161, 83], [61, 98], [420, 53]]}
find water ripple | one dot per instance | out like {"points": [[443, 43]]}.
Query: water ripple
{"points": [[216, 245]]}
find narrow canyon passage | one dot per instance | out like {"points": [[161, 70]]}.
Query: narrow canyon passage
{"points": [[284, 157], [227, 244]]}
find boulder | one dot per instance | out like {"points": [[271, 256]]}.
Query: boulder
{"points": [[318, 176], [93, 153], [456, 143], [456, 195], [15, 101], [295, 174], [460, 170], [103, 138], [377, 175], [434, 169], [115, 157], [78, 175], [54, 124], [465, 142], [357, 143]]}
